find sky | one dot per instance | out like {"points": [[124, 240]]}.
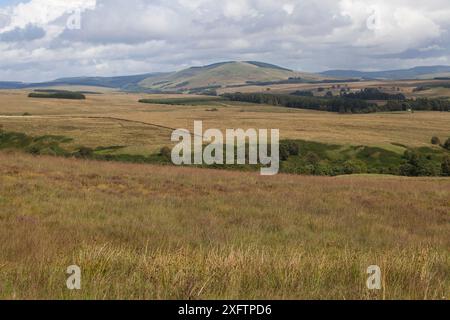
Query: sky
{"points": [[47, 39]]}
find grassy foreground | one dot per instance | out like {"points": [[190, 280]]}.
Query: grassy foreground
{"points": [[149, 232]]}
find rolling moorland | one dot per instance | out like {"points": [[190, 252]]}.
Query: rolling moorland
{"points": [[85, 181], [194, 79], [138, 130], [231, 75]]}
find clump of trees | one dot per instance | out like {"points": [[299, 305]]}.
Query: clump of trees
{"points": [[353, 102], [287, 149], [58, 95], [374, 94], [334, 104], [422, 104], [417, 164], [349, 103]]}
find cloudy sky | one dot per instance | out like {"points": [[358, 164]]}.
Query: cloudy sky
{"points": [[46, 39]]}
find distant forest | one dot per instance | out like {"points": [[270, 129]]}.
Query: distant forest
{"points": [[349, 103], [374, 94], [58, 95]]}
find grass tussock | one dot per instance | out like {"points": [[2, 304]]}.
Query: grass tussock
{"points": [[148, 232]]}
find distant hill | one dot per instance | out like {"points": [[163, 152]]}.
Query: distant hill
{"points": [[121, 82], [224, 74], [11, 85], [194, 79], [413, 73]]}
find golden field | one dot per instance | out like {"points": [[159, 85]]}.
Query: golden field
{"points": [[149, 232], [115, 118]]}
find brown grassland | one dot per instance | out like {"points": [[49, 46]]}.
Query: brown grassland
{"points": [[118, 119], [148, 232], [162, 232]]}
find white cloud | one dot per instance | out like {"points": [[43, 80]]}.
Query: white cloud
{"points": [[157, 35], [238, 9], [388, 27], [43, 12], [289, 8]]}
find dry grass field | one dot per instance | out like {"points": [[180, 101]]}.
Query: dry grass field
{"points": [[148, 232], [116, 118], [437, 92]]}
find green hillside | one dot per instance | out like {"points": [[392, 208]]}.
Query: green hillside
{"points": [[222, 74]]}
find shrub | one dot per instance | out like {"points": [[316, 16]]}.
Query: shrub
{"points": [[354, 167], [446, 145], [293, 148], [288, 148], [435, 140], [445, 167], [430, 169], [84, 152], [284, 152], [33, 150], [323, 169], [166, 153], [312, 158]]}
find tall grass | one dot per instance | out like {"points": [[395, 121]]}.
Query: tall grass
{"points": [[148, 232]]}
